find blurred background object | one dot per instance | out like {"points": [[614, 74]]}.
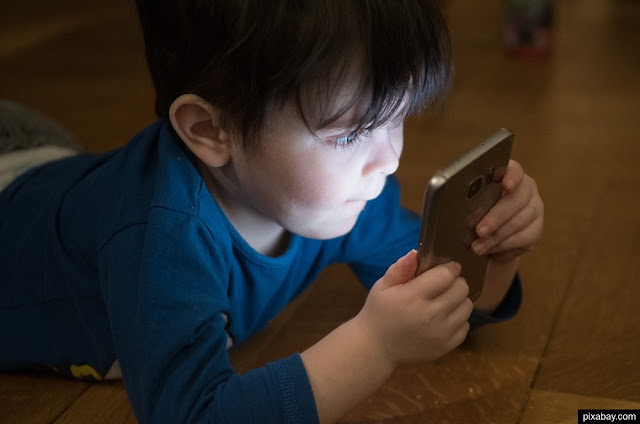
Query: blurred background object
{"points": [[528, 28]]}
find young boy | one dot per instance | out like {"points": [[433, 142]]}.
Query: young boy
{"points": [[280, 128]]}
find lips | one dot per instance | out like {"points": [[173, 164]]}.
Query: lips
{"points": [[371, 194], [368, 198]]}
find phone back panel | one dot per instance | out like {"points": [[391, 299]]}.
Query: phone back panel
{"points": [[456, 199]]}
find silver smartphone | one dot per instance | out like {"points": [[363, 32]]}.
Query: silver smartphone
{"points": [[456, 198]]}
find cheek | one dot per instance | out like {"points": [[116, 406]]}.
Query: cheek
{"points": [[316, 180], [309, 196], [317, 188]]}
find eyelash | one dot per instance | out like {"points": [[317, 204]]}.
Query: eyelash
{"points": [[347, 141]]}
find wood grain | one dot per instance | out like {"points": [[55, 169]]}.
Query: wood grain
{"points": [[104, 403], [575, 117], [84, 68], [593, 349], [546, 407], [36, 399]]}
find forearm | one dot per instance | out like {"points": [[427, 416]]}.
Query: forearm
{"points": [[497, 282], [344, 368]]}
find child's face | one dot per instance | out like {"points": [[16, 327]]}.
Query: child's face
{"points": [[308, 185]]}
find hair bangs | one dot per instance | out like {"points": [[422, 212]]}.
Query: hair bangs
{"points": [[385, 60]]}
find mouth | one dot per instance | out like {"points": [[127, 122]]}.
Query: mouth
{"points": [[362, 202]]}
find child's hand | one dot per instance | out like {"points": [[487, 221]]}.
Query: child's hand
{"points": [[421, 320], [514, 225]]}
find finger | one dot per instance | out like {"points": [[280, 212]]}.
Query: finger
{"points": [[401, 271], [436, 280], [523, 239], [461, 313], [521, 220], [507, 207], [513, 177], [459, 335], [453, 296]]}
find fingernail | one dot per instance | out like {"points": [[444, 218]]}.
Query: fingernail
{"points": [[406, 256], [457, 266], [483, 231], [508, 185], [478, 247]]}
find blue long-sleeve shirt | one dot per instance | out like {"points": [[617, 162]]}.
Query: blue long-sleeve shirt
{"points": [[126, 256]]}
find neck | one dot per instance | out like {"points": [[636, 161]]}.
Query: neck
{"points": [[263, 234]]}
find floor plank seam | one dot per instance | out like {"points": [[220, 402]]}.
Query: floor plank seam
{"points": [[64, 410], [572, 281], [525, 401]]}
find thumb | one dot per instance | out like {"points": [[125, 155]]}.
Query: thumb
{"points": [[400, 272]]}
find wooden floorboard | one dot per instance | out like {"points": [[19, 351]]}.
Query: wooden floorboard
{"points": [[85, 69], [593, 349], [574, 343], [104, 403], [36, 398], [547, 407]]}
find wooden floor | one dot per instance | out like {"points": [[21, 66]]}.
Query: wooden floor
{"points": [[577, 123]]}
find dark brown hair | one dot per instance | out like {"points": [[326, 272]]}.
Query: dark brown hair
{"points": [[249, 57]]}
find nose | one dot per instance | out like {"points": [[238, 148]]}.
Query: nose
{"points": [[386, 145]]}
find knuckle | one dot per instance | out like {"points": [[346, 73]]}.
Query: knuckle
{"points": [[465, 332], [455, 268], [464, 287], [448, 271], [538, 207], [439, 271], [497, 235], [540, 215], [534, 184], [468, 303], [459, 336]]}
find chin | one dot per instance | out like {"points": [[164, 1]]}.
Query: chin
{"points": [[327, 232]]}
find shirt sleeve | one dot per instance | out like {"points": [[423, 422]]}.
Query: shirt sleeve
{"points": [[164, 284], [506, 310]]}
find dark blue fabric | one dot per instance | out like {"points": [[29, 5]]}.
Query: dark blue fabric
{"points": [[126, 255], [507, 309]]}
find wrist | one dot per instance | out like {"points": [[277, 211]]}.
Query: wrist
{"points": [[344, 368], [496, 284], [374, 342]]}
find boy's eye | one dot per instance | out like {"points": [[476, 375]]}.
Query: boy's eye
{"points": [[346, 141]]}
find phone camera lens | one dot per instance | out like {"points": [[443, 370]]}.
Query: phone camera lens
{"points": [[474, 187], [491, 174]]}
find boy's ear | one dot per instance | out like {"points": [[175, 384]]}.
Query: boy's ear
{"points": [[197, 123]]}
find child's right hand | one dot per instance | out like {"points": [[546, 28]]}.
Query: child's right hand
{"points": [[421, 320]]}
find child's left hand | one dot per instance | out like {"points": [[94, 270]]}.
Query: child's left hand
{"points": [[514, 225]]}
